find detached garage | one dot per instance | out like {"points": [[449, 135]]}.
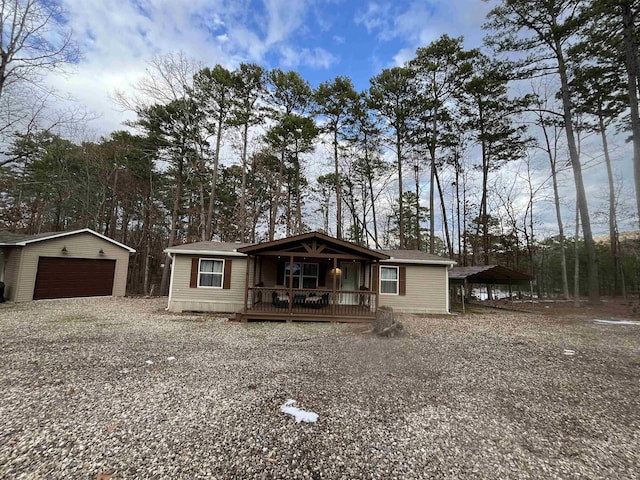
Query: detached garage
{"points": [[81, 263]]}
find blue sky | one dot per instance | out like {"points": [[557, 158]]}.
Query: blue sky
{"points": [[319, 38]]}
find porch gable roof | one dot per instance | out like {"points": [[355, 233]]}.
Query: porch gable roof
{"points": [[312, 243]]}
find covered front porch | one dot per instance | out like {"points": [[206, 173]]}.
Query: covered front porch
{"points": [[310, 277]]}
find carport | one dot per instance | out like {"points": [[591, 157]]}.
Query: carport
{"points": [[487, 275]]}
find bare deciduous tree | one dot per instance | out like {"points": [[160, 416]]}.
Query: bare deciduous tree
{"points": [[33, 41]]}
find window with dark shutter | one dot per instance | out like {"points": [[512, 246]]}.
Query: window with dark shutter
{"points": [[402, 281], [210, 273], [193, 281], [226, 284]]}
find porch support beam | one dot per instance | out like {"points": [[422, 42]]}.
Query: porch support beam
{"points": [[343, 256]]}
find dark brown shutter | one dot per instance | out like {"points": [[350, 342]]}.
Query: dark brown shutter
{"points": [[280, 273], [402, 283], [193, 283], [322, 275], [374, 278], [227, 274]]}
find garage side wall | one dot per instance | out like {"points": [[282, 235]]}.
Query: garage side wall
{"points": [[11, 272], [426, 290], [186, 298], [82, 245]]}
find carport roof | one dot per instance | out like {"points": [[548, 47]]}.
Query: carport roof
{"points": [[491, 274], [9, 239]]}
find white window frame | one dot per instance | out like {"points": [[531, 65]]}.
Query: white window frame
{"points": [[397, 280], [211, 273]]}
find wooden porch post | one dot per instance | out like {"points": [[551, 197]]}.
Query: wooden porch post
{"points": [[246, 287], [255, 269], [290, 285], [333, 295], [375, 286]]}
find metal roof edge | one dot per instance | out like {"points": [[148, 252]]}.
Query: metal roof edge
{"points": [[24, 243], [222, 253], [419, 262]]}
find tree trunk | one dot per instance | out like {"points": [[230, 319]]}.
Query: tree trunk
{"points": [[576, 267], [400, 201], [417, 208], [337, 184], [177, 202], [631, 62], [373, 201], [385, 324], [275, 201], [556, 200], [444, 215], [457, 167], [214, 180], [243, 192], [432, 151], [581, 197], [298, 225], [203, 205], [613, 223], [432, 223]]}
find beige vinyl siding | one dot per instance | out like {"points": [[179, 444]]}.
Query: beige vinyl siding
{"points": [[207, 299], [11, 272], [81, 245], [426, 290]]}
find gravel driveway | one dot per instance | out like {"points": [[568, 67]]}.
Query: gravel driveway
{"points": [[491, 395]]}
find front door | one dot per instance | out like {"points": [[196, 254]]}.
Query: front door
{"points": [[350, 282]]}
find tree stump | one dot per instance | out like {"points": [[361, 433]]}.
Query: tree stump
{"points": [[385, 324]]}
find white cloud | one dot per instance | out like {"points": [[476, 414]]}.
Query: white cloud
{"points": [[403, 56], [418, 23], [117, 39], [316, 57], [284, 17], [376, 17]]}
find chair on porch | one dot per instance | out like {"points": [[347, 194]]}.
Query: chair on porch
{"points": [[280, 301]]}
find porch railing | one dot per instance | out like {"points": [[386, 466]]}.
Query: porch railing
{"points": [[311, 301]]}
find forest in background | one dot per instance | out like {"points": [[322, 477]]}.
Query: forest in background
{"points": [[439, 154]]}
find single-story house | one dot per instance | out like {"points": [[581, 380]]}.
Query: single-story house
{"points": [[81, 263], [306, 277]]}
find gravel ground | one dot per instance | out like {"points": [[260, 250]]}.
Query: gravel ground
{"points": [[489, 395]]}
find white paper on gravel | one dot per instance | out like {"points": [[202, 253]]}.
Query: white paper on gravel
{"points": [[569, 352], [618, 322], [300, 415]]}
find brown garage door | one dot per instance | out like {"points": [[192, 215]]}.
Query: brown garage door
{"points": [[73, 277]]}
